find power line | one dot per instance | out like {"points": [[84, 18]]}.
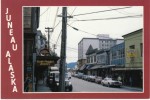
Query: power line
{"points": [[70, 48], [73, 11], [101, 11], [57, 24], [71, 57], [135, 16], [80, 30], [55, 20], [47, 16], [58, 37], [55, 17], [44, 11], [124, 12]]}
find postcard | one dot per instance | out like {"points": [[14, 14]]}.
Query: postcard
{"points": [[75, 49]]}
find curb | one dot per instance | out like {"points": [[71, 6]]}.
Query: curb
{"points": [[133, 88]]}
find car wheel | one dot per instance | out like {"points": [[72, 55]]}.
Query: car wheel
{"points": [[119, 86]]}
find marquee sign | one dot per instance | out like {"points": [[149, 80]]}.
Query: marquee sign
{"points": [[45, 62]]}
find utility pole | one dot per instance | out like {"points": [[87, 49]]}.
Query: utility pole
{"points": [[63, 50], [49, 30]]}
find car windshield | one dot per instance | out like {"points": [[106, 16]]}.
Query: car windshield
{"points": [[57, 76]]}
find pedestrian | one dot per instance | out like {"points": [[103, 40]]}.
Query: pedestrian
{"points": [[26, 83], [119, 78], [130, 80]]}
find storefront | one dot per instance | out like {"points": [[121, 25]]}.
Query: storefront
{"points": [[130, 76]]}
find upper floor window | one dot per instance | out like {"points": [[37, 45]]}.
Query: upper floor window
{"points": [[95, 58], [132, 47]]}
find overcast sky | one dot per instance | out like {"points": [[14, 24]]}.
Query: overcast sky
{"points": [[113, 20]]}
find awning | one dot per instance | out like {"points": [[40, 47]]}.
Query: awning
{"points": [[83, 67], [113, 69], [89, 66], [96, 67], [108, 66]]}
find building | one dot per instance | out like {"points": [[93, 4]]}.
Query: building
{"points": [[106, 43], [91, 60], [31, 23], [134, 49], [103, 41], [117, 55], [117, 60], [97, 62], [102, 67], [132, 73], [83, 46], [40, 41], [31, 17]]}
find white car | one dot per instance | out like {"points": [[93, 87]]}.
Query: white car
{"points": [[110, 82]]}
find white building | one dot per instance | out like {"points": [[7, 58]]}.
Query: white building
{"points": [[84, 44], [103, 36], [106, 43]]}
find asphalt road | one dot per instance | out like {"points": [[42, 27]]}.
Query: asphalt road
{"points": [[80, 85]]}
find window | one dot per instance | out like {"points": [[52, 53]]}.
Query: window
{"points": [[88, 59], [91, 59], [95, 58], [132, 47], [141, 48], [113, 55]]}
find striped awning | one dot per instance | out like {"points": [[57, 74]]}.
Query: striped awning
{"points": [[96, 67], [83, 67], [108, 66]]}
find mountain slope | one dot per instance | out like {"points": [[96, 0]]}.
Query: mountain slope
{"points": [[71, 65]]}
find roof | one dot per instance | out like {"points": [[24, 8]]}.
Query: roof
{"points": [[88, 38], [96, 66], [134, 32], [91, 50], [115, 46], [102, 51]]}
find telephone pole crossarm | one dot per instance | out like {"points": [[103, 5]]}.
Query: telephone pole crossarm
{"points": [[49, 30]]}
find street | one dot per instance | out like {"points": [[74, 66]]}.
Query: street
{"points": [[80, 85]]}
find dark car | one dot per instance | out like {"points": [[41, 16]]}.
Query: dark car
{"points": [[55, 82]]}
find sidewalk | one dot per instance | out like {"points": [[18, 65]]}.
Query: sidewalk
{"points": [[42, 87], [133, 88]]}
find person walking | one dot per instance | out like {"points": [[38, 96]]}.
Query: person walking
{"points": [[130, 80], [119, 78], [26, 83]]}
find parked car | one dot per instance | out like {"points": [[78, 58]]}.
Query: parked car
{"points": [[98, 79], [91, 78], [75, 75], [88, 77], [55, 82], [80, 75], [110, 82], [84, 77]]}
